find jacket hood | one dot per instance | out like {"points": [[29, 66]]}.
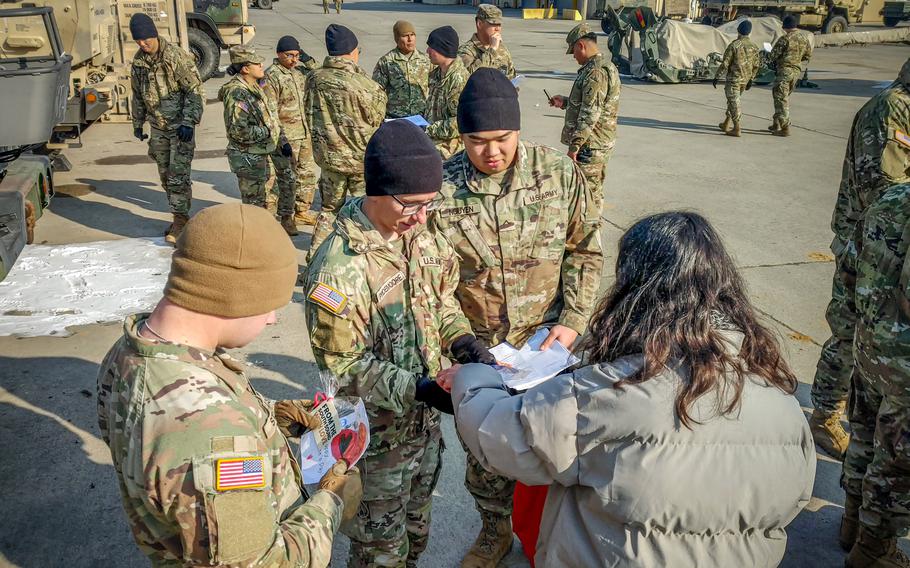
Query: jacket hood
{"points": [[232, 85], [355, 227]]}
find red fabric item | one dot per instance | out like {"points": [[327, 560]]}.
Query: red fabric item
{"points": [[527, 508]]}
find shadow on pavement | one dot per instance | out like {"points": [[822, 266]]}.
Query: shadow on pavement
{"points": [[640, 122], [861, 88]]}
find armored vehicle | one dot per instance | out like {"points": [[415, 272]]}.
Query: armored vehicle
{"points": [[829, 16]]}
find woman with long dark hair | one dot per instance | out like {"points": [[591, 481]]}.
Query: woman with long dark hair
{"points": [[680, 443]]}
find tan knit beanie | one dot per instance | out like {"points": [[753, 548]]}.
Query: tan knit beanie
{"points": [[233, 261], [403, 27]]}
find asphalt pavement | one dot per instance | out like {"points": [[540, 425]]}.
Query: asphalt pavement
{"points": [[770, 198]]}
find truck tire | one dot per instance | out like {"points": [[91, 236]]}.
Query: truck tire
{"points": [[834, 25], [264, 4], [205, 52], [891, 21]]}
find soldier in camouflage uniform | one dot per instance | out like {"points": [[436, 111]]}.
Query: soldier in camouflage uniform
{"points": [[789, 52], [205, 472], [878, 156], [286, 85], [168, 94], [876, 474], [404, 74], [446, 82], [344, 107], [256, 136], [485, 48], [739, 68], [524, 224], [591, 109], [325, 6], [381, 311]]}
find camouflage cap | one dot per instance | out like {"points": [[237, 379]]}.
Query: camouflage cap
{"points": [[241, 54], [578, 32], [489, 13]]}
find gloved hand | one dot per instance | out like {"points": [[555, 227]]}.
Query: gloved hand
{"points": [[433, 395], [344, 482], [294, 418], [286, 150], [137, 132], [714, 83], [185, 133], [749, 85], [469, 349]]}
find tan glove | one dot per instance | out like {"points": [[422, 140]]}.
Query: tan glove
{"points": [[294, 418], [346, 484]]}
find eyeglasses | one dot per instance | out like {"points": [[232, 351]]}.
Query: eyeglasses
{"points": [[414, 208], [289, 55]]}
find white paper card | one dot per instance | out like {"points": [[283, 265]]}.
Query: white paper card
{"points": [[529, 365]]}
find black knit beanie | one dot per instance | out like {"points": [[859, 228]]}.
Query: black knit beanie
{"points": [[401, 159], [287, 43], [339, 40], [790, 22], [142, 27], [744, 27], [489, 101], [445, 41]]}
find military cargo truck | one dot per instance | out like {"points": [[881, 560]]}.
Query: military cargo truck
{"points": [[895, 12], [829, 16], [214, 25], [34, 80]]}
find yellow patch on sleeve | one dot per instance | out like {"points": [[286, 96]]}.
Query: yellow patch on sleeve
{"points": [[239, 473], [329, 298], [902, 138]]}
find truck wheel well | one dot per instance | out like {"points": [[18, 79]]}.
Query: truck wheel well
{"points": [[206, 25]]}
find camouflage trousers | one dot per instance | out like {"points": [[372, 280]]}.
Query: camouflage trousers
{"points": [[492, 493], [392, 526], [593, 164], [305, 168], [334, 189], [252, 172], [174, 159], [784, 84], [448, 148], [835, 365], [325, 6], [877, 465], [733, 90]]}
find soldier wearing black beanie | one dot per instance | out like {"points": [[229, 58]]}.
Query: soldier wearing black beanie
{"points": [[339, 40], [445, 41], [400, 159], [142, 27], [488, 102]]}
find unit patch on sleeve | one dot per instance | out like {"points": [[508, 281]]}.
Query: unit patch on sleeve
{"points": [[239, 473], [329, 298], [902, 138]]}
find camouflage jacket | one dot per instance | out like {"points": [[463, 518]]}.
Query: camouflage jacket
{"points": [[405, 79], [878, 156], [789, 52], [167, 91], [344, 108], [250, 118], [593, 106], [287, 88], [475, 55], [530, 254], [741, 61], [175, 419], [380, 320], [442, 104], [882, 291]]}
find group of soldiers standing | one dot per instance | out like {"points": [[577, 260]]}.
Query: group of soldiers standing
{"points": [[741, 64], [430, 243]]}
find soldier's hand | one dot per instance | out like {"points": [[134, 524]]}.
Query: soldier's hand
{"points": [[562, 334], [749, 85], [495, 41], [344, 482], [572, 155], [714, 83], [294, 418], [446, 378], [429, 392], [469, 349], [286, 150], [137, 132], [558, 101], [185, 133]]}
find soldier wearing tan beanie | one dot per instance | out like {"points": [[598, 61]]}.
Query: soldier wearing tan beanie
{"points": [[184, 425]]}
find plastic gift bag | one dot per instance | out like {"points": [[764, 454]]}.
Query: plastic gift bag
{"points": [[344, 433]]}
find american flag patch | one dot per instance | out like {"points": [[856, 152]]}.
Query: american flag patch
{"points": [[243, 106], [329, 298], [902, 138], [239, 473]]}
